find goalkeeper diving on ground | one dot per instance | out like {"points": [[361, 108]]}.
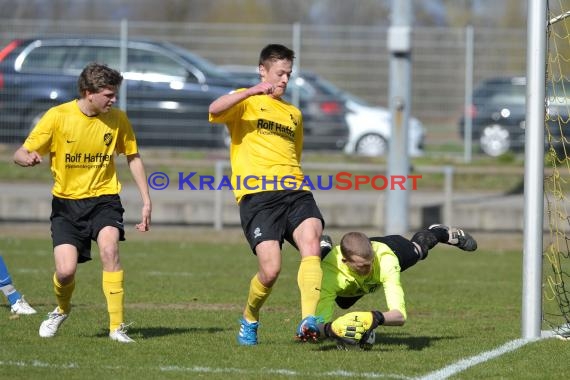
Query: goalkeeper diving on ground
{"points": [[359, 265]]}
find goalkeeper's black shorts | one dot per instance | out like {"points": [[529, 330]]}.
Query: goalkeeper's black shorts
{"points": [[402, 248]]}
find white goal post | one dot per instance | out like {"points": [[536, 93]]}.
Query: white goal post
{"points": [[534, 171]]}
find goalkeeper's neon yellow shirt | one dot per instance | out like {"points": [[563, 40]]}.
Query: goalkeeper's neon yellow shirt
{"points": [[82, 149], [340, 280], [266, 144]]}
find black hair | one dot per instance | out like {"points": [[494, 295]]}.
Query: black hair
{"points": [[275, 52]]}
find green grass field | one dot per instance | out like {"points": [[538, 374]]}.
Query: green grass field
{"points": [[185, 293]]}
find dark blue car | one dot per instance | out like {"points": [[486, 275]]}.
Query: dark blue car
{"points": [[168, 90], [498, 115]]}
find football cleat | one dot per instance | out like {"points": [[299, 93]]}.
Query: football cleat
{"points": [[51, 324], [120, 334], [326, 244], [247, 335], [22, 307], [458, 237], [308, 329]]}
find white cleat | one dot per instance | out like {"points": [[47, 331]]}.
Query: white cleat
{"points": [[51, 324], [120, 334], [21, 307]]}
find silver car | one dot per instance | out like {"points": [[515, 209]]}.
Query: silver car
{"points": [[370, 130]]}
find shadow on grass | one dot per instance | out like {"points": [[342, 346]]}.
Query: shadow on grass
{"points": [[383, 343], [153, 332], [415, 343]]}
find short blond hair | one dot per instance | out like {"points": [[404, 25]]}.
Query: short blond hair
{"points": [[356, 244]]}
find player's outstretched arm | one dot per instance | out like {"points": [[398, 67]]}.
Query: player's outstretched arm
{"points": [[350, 328], [393, 318]]}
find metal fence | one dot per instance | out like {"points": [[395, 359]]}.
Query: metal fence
{"points": [[212, 203], [353, 57]]}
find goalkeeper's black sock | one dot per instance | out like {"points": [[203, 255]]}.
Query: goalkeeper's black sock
{"points": [[426, 240]]}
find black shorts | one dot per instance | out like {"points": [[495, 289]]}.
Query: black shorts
{"points": [[78, 221], [402, 248], [346, 302], [274, 215]]}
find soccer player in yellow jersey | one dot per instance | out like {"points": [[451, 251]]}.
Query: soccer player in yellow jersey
{"points": [[360, 265], [82, 138], [265, 152]]}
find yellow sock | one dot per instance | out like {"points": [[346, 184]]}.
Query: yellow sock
{"points": [[113, 290], [63, 294], [258, 293], [309, 280]]}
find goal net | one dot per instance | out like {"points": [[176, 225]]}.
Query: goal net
{"points": [[556, 255]]}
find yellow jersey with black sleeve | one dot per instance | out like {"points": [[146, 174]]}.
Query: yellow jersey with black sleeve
{"points": [[340, 280], [266, 145], [82, 149]]}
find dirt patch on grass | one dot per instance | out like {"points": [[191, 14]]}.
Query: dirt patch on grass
{"points": [[486, 240], [186, 306]]}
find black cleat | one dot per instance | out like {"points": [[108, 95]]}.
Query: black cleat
{"points": [[326, 245], [458, 237]]}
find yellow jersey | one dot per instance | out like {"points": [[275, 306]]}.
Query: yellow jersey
{"points": [[340, 280], [266, 145], [82, 149]]}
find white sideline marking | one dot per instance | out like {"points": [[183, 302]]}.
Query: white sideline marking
{"points": [[283, 372], [463, 364], [37, 363], [441, 374], [286, 372]]}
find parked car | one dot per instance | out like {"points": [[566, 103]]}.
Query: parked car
{"points": [[369, 126], [557, 117], [498, 114], [168, 89]]}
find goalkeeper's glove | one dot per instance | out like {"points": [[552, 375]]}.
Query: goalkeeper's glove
{"points": [[355, 327]]}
